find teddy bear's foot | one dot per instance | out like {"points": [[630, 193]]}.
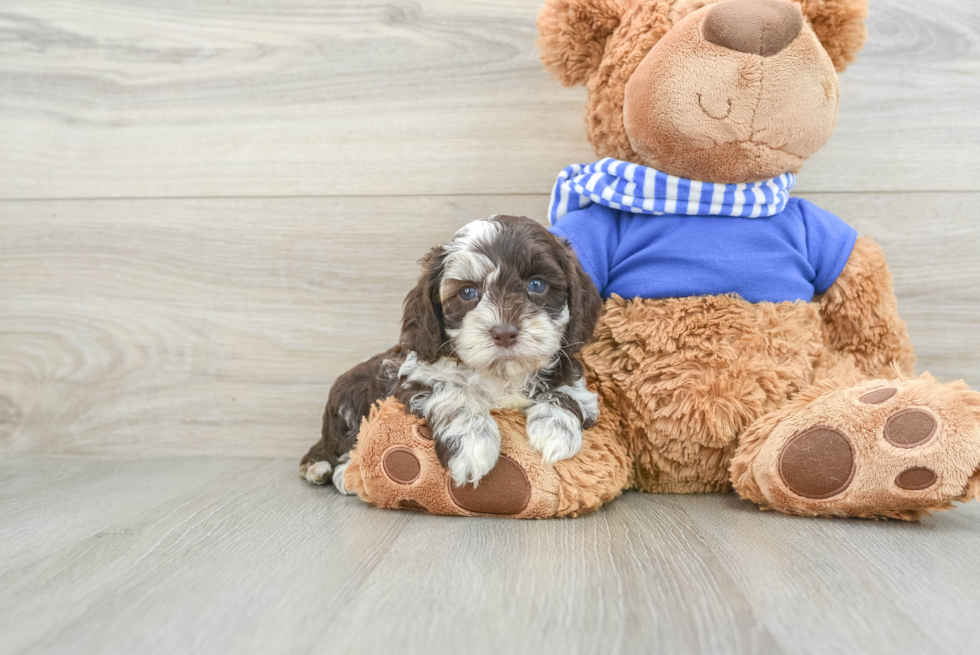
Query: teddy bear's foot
{"points": [[395, 467], [896, 449]]}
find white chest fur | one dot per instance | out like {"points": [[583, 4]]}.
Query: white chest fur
{"points": [[497, 392]]}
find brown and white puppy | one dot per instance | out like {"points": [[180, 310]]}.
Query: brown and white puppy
{"points": [[494, 322]]}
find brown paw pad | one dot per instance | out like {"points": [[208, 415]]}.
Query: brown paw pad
{"points": [[504, 490], [423, 431], [817, 463], [916, 478], [878, 396], [910, 428], [401, 465]]}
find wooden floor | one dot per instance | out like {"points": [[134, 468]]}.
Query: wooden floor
{"points": [[182, 555], [209, 210]]}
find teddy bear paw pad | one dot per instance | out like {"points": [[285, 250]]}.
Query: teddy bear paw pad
{"points": [[910, 428], [878, 396], [820, 462], [504, 490], [895, 450], [916, 478], [401, 465], [817, 463]]}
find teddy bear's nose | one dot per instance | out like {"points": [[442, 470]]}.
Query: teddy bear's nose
{"points": [[758, 27]]}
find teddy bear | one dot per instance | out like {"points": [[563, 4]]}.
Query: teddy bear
{"points": [[749, 340]]}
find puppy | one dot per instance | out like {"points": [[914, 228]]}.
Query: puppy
{"points": [[494, 322]]}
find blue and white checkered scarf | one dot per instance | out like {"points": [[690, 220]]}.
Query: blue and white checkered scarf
{"points": [[642, 190]]}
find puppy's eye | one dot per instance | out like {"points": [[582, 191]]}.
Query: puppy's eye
{"points": [[468, 293], [536, 286]]}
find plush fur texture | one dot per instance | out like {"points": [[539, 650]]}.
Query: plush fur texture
{"points": [[693, 373], [806, 408], [738, 127], [953, 454], [860, 315], [700, 130], [839, 24]]}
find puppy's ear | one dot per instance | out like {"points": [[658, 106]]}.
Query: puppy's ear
{"points": [[573, 36], [422, 330], [584, 302]]}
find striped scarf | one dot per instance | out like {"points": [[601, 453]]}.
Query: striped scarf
{"points": [[642, 190]]}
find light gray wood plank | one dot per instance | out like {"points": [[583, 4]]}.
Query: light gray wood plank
{"points": [[907, 118], [634, 578], [194, 327], [932, 242], [298, 97], [230, 549], [850, 586], [205, 555], [293, 97], [42, 510], [216, 327]]}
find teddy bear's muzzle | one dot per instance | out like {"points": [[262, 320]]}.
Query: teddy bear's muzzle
{"points": [[735, 92]]}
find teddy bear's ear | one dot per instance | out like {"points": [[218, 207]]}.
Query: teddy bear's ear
{"points": [[839, 24], [573, 36]]}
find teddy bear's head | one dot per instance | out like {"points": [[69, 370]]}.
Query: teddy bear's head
{"points": [[721, 91]]}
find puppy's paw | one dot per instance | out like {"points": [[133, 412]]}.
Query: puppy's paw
{"points": [[316, 472], [415, 400], [554, 432], [470, 453], [338, 479]]}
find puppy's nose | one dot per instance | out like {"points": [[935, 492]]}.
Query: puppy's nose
{"points": [[504, 336], [757, 27]]}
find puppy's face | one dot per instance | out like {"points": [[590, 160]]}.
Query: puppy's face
{"points": [[507, 297], [504, 296]]}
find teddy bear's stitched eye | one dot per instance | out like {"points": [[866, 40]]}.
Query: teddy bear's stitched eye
{"points": [[468, 293], [536, 286]]}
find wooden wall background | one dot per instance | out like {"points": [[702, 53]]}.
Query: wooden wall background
{"points": [[210, 210]]}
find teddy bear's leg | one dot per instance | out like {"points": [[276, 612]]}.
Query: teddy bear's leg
{"points": [[883, 448], [394, 466], [691, 374]]}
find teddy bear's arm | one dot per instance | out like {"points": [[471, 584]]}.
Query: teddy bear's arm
{"points": [[860, 314]]}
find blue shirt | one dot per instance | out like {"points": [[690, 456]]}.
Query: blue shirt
{"points": [[790, 256]]}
